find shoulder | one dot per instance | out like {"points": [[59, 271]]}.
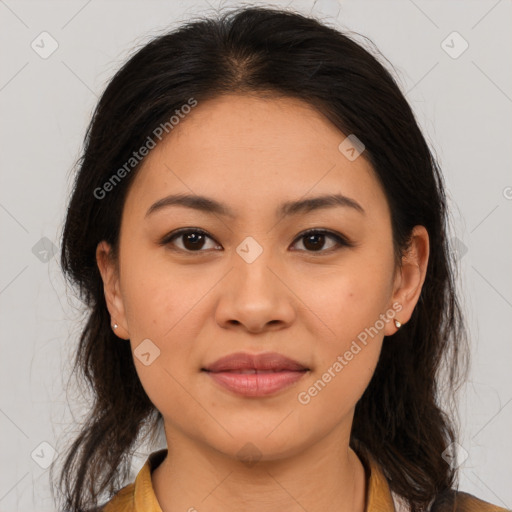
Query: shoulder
{"points": [[458, 501], [138, 495]]}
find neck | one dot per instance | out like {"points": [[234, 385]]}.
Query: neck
{"points": [[316, 479]]}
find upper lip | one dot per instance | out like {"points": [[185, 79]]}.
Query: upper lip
{"points": [[245, 361]]}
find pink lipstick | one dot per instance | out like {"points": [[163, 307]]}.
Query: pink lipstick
{"points": [[255, 375]]}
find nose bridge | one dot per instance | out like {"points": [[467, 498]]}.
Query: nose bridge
{"points": [[255, 296], [252, 262]]}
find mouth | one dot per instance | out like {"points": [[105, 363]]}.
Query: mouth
{"points": [[255, 375], [256, 383], [251, 371], [266, 361]]}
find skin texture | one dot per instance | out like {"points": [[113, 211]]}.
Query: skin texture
{"points": [[252, 154]]}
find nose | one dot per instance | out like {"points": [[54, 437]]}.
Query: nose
{"points": [[255, 296]]}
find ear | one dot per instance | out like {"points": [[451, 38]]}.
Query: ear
{"points": [[409, 278], [110, 276]]}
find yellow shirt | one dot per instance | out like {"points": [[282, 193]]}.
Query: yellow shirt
{"points": [[139, 496]]}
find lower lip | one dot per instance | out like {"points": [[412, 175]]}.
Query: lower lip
{"points": [[256, 384]]}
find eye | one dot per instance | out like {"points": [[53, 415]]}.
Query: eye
{"points": [[194, 240], [315, 239]]}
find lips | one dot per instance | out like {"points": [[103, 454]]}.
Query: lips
{"points": [[255, 375], [242, 362]]}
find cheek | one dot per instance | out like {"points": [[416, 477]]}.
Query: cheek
{"points": [[347, 349], [349, 305], [158, 297], [334, 390], [348, 298], [165, 306]]}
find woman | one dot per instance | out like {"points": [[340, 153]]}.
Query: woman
{"points": [[259, 230]]}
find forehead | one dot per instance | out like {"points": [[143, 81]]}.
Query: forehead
{"points": [[269, 124], [247, 149]]}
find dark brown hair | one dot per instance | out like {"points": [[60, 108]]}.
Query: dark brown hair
{"points": [[258, 50]]}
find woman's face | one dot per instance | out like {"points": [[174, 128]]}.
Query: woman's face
{"points": [[247, 279]]}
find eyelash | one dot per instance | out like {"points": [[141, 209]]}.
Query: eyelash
{"points": [[341, 240]]}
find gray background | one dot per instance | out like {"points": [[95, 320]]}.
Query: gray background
{"points": [[463, 102]]}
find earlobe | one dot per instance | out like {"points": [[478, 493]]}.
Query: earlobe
{"points": [[110, 276], [411, 276]]}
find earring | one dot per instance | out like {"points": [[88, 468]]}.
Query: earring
{"points": [[397, 324], [115, 326]]}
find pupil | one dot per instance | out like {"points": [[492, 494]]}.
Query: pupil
{"points": [[193, 239], [315, 237]]}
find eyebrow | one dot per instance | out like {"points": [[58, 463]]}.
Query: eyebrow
{"points": [[208, 205]]}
